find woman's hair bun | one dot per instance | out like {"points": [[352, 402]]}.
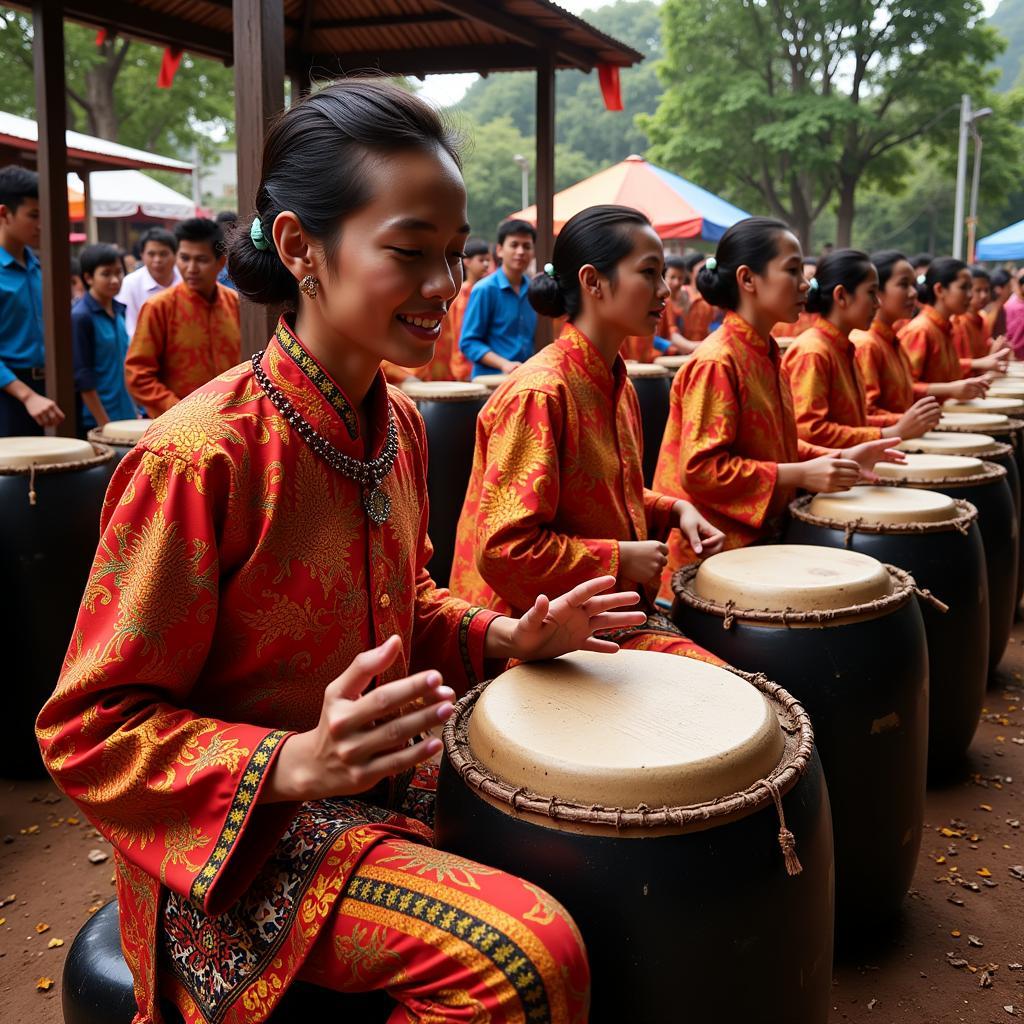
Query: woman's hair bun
{"points": [[546, 296], [259, 274]]}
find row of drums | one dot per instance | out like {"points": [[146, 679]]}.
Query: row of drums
{"points": [[700, 823]]}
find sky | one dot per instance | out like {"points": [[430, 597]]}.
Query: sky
{"points": [[447, 89]]}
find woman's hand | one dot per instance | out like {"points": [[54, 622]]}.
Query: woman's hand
{"points": [[361, 738], [827, 474], [921, 417], [704, 538], [963, 390], [552, 628], [994, 362], [870, 452]]}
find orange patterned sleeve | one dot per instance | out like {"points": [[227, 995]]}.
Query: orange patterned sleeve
{"points": [[710, 473], [809, 379], [175, 792], [870, 374], [145, 355], [914, 340], [520, 551]]}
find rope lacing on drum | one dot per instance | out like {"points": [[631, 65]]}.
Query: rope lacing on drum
{"points": [[32, 484], [728, 618], [849, 530], [787, 841], [963, 525], [937, 603]]}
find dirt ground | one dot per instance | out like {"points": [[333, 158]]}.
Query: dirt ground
{"points": [[955, 956]]}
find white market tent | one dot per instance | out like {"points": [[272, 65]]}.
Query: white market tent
{"points": [[128, 193]]}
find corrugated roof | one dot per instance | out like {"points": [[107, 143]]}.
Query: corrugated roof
{"points": [[398, 36]]}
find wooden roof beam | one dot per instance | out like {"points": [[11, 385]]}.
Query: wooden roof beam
{"points": [[517, 28], [435, 61]]}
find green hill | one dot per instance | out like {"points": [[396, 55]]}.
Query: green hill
{"points": [[1009, 19]]}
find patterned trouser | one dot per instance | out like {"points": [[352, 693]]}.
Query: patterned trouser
{"points": [[452, 940]]}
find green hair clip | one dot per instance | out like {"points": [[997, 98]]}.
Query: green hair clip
{"points": [[257, 236]]}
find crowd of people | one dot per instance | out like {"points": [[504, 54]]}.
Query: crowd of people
{"points": [[222, 715]]}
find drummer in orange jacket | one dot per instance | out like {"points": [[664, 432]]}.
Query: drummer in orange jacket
{"points": [[731, 443], [829, 396]]}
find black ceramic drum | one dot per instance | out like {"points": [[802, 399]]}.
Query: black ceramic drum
{"points": [[51, 495], [644, 792], [653, 385], [121, 435], [937, 540], [449, 410], [985, 486], [843, 633]]}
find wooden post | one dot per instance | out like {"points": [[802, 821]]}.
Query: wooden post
{"points": [[52, 162], [91, 228], [259, 95], [545, 173]]}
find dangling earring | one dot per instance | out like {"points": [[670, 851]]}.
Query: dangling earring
{"points": [[309, 285]]}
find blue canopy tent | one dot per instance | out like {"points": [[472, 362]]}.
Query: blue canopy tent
{"points": [[1007, 244]]}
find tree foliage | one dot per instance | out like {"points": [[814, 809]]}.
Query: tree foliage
{"points": [[498, 114], [1009, 20], [794, 105], [112, 91]]}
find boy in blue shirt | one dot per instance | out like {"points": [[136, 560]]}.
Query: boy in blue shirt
{"points": [[100, 341], [24, 407], [499, 325]]}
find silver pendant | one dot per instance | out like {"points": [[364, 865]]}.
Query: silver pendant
{"points": [[377, 505]]}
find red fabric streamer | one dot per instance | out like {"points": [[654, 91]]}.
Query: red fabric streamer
{"points": [[101, 37], [611, 87], [168, 67]]}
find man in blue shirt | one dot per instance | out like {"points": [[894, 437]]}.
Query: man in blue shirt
{"points": [[99, 338], [24, 407], [499, 325]]}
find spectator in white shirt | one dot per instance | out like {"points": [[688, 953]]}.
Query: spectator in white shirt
{"points": [[158, 271]]}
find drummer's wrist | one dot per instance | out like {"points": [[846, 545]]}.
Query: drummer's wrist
{"points": [[498, 643]]}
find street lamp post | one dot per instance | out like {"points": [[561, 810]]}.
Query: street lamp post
{"points": [[524, 166], [972, 217], [968, 122]]}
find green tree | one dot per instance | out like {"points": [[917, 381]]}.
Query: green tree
{"points": [[793, 106], [1009, 20], [112, 90], [494, 180], [581, 121]]}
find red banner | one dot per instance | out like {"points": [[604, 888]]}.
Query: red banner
{"points": [[611, 88], [168, 68]]}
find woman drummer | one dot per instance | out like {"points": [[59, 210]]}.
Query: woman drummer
{"points": [[556, 494], [260, 640]]}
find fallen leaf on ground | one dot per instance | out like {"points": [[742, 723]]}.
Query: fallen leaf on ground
{"points": [[45, 984], [42, 927], [1016, 967], [985, 807], [54, 943], [871, 1004], [1017, 870], [955, 900], [984, 872], [955, 961], [955, 933], [98, 856], [986, 980], [973, 940]]}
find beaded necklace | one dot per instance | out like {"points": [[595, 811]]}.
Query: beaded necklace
{"points": [[368, 474]]}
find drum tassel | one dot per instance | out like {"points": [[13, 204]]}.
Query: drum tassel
{"points": [[935, 602], [32, 484], [787, 841]]}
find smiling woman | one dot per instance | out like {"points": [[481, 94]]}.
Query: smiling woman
{"points": [[262, 564]]}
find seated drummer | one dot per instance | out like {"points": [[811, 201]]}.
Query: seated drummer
{"points": [[829, 397], [556, 494], [889, 385], [731, 443], [943, 292], [215, 718]]}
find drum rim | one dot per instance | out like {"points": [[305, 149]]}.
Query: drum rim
{"points": [[473, 393], [1011, 426], [797, 754], [991, 471], [102, 453], [996, 450], [968, 514], [904, 589]]}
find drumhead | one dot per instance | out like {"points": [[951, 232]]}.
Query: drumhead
{"points": [[635, 369], [1007, 388], [939, 443], [884, 506], [637, 727], [1001, 406], [929, 466], [444, 390], [123, 431], [672, 363], [1015, 370], [491, 381], [25, 452], [791, 577], [972, 420]]}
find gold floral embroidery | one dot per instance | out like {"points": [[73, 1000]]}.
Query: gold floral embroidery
{"points": [[423, 860], [366, 955]]}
